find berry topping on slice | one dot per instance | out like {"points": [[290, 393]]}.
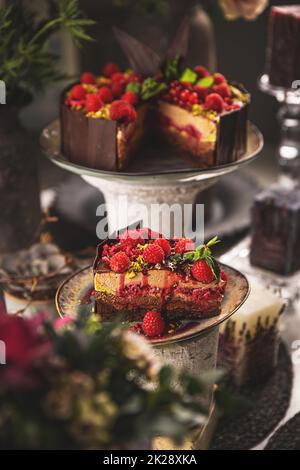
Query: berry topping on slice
{"points": [[222, 90], [202, 272], [201, 71], [219, 78], [130, 97], [214, 102], [118, 77], [183, 245], [109, 69], [77, 92], [131, 237], [122, 111], [153, 254], [153, 324], [88, 78], [105, 94], [119, 262], [164, 244], [93, 102], [117, 89]]}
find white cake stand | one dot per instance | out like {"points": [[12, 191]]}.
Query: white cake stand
{"points": [[152, 179]]}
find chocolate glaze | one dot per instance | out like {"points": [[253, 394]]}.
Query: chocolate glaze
{"points": [[232, 134], [275, 243], [283, 49]]}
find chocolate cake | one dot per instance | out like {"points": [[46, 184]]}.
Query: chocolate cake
{"points": [[137, 274], [283, 50], [275, 243], [104, 118]]}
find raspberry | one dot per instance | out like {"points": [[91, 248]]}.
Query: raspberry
{"points": [[202, 272], [118, 77], [93, 102], [130, 97], [164, 244], [222, 90], [105, 94], [122, 111], [77, 92], [219, 78], [184, 244], [153, 324], [119, 262], [153, 254], [132, 237], [201, 91], [201, 71], [88, 78], [109, 69], [117, 89], [214, 102]]}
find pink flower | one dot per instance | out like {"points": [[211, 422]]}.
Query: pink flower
{"points": [[25, 348], [60, 323], [248, 9]]}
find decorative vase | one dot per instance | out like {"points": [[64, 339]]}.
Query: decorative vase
{"points": [[20, 213]]}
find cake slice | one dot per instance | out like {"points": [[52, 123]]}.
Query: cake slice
{"points": [[135, 274], [205, 115], [102, 119]]}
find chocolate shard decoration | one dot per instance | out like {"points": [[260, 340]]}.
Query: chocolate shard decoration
{"points": [[180, 42], [143, 59]]}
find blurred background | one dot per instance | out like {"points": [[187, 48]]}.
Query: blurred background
{"points": [[234, 47]]}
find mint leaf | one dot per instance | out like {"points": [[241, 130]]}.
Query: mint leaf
{"points": [[212, 263], [135, 87], [152, 88], [188, 76], [213, 241], [206, 82], [171, 69]]}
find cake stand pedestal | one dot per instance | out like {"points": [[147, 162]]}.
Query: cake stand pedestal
{"points": [[156, 179], [289, 120], [127, 203]]}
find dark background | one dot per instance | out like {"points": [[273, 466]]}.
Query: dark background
{"points": [[240, 46]]}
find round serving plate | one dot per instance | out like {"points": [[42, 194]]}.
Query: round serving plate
{"points": [[154, 165], [73, 299]]}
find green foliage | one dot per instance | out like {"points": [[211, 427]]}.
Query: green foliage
{"points": [[97, 388], [26, 62], [151, 88]]}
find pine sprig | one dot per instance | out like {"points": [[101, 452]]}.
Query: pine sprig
{"points": [[26, 62]]}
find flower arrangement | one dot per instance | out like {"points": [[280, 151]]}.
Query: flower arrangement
{"points": [[82, 385]]}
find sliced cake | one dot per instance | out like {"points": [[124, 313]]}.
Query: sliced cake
{"points": [[135, 275], [205, 115], [103, 119]]}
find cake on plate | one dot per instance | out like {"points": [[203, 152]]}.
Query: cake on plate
{"points": [[105, 118], [249, 340], [139, 272]]}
